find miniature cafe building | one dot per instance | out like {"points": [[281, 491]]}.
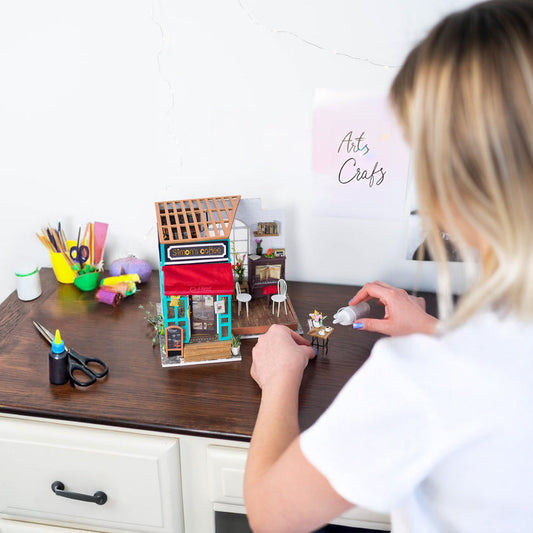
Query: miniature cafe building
{"points": [[196, 276]]}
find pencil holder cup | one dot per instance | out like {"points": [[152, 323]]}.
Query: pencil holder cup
{"points": [[87, 282], [62, 268]]}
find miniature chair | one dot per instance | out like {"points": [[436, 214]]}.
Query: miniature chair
{"points": [[281, 296], [242, 297]]}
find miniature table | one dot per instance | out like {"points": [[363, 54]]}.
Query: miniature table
{"points": [[320, 340]]}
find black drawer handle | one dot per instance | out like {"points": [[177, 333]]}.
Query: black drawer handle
{"points": [[98, 497]]}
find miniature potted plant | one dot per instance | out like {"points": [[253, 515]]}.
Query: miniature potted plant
{"points": [[258, 247], [235, 344]]}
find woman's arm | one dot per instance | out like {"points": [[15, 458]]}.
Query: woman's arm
{"points": [[283, 491]]}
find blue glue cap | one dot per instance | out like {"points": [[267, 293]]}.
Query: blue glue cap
{"points": [[58, 346]]}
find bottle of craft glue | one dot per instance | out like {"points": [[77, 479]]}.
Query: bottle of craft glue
{"points": [[346, 316], [58, 361]]}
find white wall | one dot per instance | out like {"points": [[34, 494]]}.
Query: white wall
{"points": [[110, 105]]}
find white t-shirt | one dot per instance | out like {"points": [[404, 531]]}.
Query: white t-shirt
{"points": [[437, 430]]}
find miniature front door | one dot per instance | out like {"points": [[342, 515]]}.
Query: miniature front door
{"points": [[203, 318]]}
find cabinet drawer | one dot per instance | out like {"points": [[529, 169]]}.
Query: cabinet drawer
{"points": [[14, 526], [138, 473], [226, 477], [226, 474]]}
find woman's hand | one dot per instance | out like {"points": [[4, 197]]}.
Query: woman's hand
{"points": [[404, 314], [280, 353]]}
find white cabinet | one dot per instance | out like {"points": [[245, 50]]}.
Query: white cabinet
{"points": [[226, 475], [198, 504], [154, 483], [140, 475]]}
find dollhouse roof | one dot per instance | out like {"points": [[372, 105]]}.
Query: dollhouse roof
{"points": [[202, 219]]}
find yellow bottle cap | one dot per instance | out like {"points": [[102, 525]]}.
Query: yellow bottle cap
{"points": [[58, 346]]}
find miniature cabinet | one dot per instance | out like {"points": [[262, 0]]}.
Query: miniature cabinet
{"points": [[264, 273]]}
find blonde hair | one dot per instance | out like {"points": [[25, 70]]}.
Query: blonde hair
{"points": [[464, 97]]}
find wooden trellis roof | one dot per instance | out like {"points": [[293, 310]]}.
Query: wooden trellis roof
{"points": [[202, 219]]}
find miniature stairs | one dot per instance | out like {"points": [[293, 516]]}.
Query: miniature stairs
{"points": [[206, 351]]}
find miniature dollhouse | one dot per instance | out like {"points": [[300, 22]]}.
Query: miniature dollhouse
{"points": [[196, 278]]}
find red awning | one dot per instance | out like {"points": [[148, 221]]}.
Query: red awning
{"points": [[206, 278]]}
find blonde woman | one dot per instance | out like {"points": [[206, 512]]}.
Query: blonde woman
{"points": [[436, 428]]}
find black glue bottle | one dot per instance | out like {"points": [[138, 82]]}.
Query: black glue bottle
{"points": [[58, 361]]}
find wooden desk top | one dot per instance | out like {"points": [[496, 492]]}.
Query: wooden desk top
{"points": [[216, 400]]}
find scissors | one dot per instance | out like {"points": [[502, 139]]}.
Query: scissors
{"points": [[83, 371], [80, 254]]}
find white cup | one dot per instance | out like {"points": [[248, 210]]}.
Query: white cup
{"points": [[28, 282]]}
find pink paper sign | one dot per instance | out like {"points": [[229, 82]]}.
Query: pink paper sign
{"points": [[360, 160]]}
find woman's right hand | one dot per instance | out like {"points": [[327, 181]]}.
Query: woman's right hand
{"points": [[280, 354], [404, 314]]}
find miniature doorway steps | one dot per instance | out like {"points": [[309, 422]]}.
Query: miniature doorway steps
{"points": [[206, 351]]}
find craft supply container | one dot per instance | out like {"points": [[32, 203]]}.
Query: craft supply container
{"points": [[62, 268], [28, 282]]}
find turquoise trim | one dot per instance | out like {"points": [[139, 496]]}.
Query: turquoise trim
{"points": [[224, 319], [164, 299], [185, 322]]}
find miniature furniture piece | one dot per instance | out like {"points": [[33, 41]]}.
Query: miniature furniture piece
{"points": [[320, 338], [167, 446], [242, 297], [263, 275], [266, 229], [196, 277], [281, 296], [244, 286]]}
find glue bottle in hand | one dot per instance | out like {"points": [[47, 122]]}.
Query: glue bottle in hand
{"points": [[57, 361], [346, 316]]}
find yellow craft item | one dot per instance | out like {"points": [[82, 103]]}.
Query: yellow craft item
{"points": [[128, 278], [174, 301]]}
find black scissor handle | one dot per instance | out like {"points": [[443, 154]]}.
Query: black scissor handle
{"points": [[74, 368], [95, 366]]}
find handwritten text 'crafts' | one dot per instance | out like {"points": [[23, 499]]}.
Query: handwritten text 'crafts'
{"points": [[349, 170]]}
